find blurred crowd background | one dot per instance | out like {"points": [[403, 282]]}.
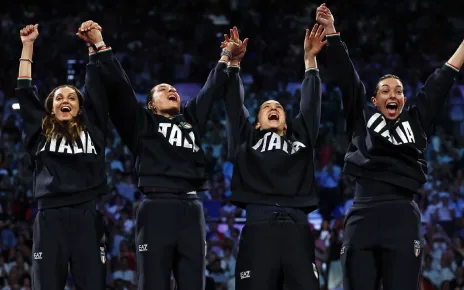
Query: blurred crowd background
{"points": [[178, 42]]}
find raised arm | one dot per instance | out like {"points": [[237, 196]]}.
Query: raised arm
{"points": [[310, 103], [96, 103], [434, 94], [28, 35], [238, 126], [125, 112], [198, 110], [341, 69], [32, 110]]}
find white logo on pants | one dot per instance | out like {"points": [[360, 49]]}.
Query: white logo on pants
{"points": [[143, 248], [102, 255], [417, 248], [315, 271], [38, 256], [245, 274]]}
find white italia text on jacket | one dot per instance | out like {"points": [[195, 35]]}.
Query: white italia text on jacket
{"points": [[272, 141], [83, 146], [404, 132], [176, 137]]}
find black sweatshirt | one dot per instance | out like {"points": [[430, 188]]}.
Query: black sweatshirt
{"points": [[168, 151], [381, 150], [270, 169], [65, 173]]}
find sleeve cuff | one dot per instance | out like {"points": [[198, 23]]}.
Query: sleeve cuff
{"points": [[312, 72], [104, 54], [92, 57], [334, 38], [233, 69], [451, 67], [449, 71], [24, 82], [221, 65]]}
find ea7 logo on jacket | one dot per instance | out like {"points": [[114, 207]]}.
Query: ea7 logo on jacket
{"points": [[82, 146], [404, 133], [176, 137], [272, 141]]}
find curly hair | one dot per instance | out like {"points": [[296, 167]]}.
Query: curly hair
{"points": [[54, 128]]}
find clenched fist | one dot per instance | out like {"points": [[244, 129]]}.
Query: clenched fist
{"points": [[29, 33], [90, 32], [324, 16]]}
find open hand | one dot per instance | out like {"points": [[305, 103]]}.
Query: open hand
{"points": [[234, 44], [90, 32], [29, 33], [324, 16], [314, 42]]}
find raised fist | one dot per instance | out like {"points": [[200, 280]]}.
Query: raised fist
{"points": [[29, 33], [90, 32], [324, 16]]}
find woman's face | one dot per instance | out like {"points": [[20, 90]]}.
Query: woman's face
{"points": [[271, 115], [165, 100], [65, 104], [389, 99]]}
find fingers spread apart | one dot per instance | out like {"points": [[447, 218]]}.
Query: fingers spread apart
{"points": [[314, 30], [320, 33], [234, 37]]}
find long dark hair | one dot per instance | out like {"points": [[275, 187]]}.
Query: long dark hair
{"points": [[54, 128]]}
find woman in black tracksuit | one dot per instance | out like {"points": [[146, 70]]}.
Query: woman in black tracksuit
{"points": [[170, 167], [273, 180], [66, 140], [382, 235]]}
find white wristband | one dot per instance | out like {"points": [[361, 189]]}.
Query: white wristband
{"points": [[99, 44]]}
